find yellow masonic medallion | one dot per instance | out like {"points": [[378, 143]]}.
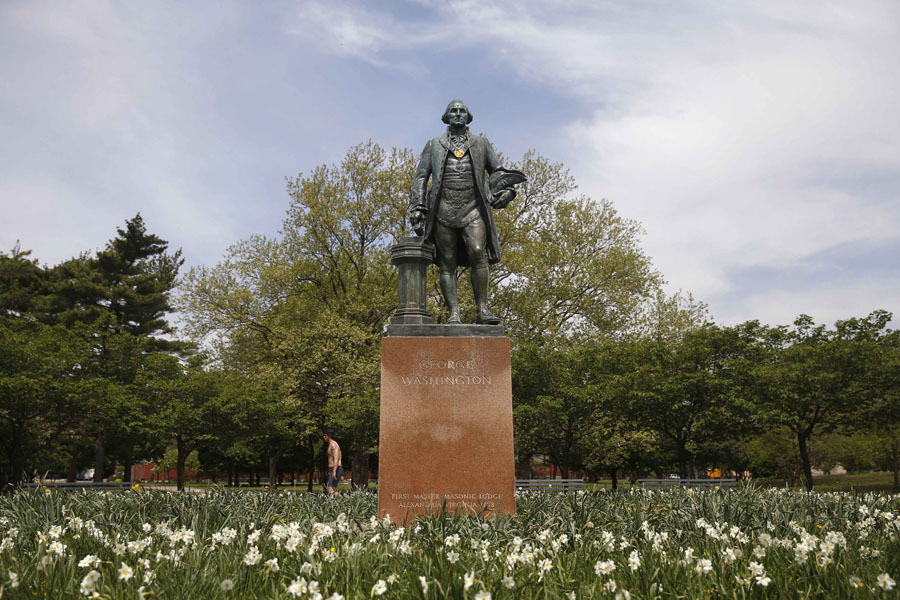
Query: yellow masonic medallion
{"points": [[459, 153]]}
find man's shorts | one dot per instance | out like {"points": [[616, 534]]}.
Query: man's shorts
{"points": [[332, 481]]}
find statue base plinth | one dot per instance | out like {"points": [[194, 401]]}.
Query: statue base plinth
{"points": [[418, 329], [446, 427]]}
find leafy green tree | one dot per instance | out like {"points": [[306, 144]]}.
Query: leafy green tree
{"points": [[554, 403], [122, 297], [613, 440], [686, 390], [883, 415], [812, 380], [23, 285], [612, 444], [668, 318], [253, 421], [887, 438], [773, 452], [572, 267], [854, 452], [169, 461], [39, 365], [184, 403], [38, 378]]}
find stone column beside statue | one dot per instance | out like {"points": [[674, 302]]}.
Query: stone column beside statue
{"points": [[446, 440], [411, 256]]}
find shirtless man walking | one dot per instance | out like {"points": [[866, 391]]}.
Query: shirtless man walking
{"points": [[335, 470]]}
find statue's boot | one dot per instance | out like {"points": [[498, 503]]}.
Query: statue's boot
{"points": [[486, 317], [449, 290], [480, 278]]}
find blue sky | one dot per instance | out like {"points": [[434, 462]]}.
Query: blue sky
{"points": [[758, 143]]}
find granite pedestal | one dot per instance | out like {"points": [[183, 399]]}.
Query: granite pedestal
{"points": [[446, 423]]}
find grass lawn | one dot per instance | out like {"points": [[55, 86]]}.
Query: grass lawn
{"points": [[881, 481]]}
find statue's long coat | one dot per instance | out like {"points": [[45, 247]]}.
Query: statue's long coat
{"points": [[431, 164]]}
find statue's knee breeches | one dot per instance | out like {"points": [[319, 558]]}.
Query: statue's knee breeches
{"points": [[475, 237], [478, 257], [445, 239]]}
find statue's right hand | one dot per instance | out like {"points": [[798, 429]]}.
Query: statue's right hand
{"points": [[417, 220]]}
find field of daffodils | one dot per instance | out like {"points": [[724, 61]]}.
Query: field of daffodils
{"points": [[744, 543]]}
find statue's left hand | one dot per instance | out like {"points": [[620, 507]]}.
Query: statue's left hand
{"points": [[501, 199]]}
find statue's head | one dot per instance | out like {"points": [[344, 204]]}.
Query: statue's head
{"points": [[457, 113]]}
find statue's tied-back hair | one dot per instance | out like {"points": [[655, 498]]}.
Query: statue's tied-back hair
{"points": [[446, 117]]}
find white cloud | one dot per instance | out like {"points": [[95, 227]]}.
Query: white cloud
{"points": [[359, 32], [727, 163], [111, 118]]}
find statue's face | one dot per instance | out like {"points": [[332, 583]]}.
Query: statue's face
{"points": [[458, 116]]}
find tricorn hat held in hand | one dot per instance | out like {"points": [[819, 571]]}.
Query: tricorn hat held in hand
{"points": [[502, 179]]}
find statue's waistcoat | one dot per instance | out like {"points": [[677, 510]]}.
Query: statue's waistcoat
{"points": [[458, 204]]}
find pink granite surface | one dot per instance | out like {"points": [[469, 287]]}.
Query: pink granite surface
{"points": [[446, 426]]}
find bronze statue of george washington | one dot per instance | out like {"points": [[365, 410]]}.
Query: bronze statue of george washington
{"points": [[455, 214]]}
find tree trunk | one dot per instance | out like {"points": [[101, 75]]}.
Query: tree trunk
{"points": [[99, 456], [127, 464], [523, 466], [16, 466], [802, 439], [359, 468], [312, 467], [273, 471], [72, 473], [894, 455], [614, 478], [179, 463]]}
